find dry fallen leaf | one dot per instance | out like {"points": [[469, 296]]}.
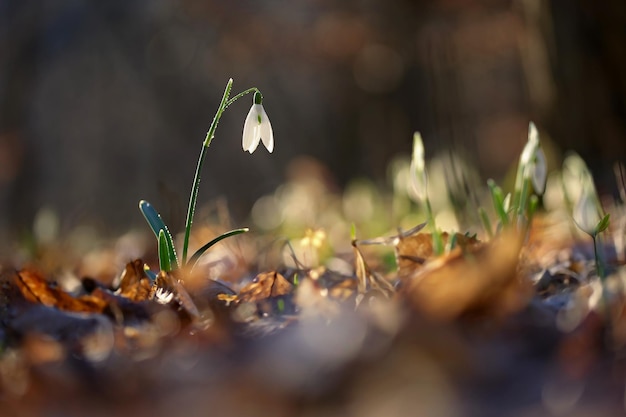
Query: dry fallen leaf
{"points": [[413, 251], [134, 283], [265, 285], [35, 288], [368, 279], [167, 290], [482, 279]]}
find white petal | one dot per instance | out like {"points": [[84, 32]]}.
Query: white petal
{"points": [[531, 146], [539, 172], [256, 134], [250, 129], [418, 151], [586, 214], [267, 134], [506, 204], [419, 182]]}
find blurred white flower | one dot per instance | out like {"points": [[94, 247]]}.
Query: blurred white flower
{"points": [[531, 146], [257, 127], [533, 161], [419, 179], [588, 213], [539, 172]]}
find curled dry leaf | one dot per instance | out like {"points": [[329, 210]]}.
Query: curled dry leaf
{"points": [[369, 280], [270, 291], [413, 251], [483, 278], [265, 285], [134, 283], [35, 288], [167, 290]]}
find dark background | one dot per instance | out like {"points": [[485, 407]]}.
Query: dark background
{"points": [[105, 103]]}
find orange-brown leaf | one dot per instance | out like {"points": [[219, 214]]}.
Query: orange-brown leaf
{"points": [[265, 285], [483, 279], [413, 251], [134, 283], [37, 289]]}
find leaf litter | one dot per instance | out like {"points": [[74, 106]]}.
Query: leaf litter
{"points": [[514, 325], [297, 339]]}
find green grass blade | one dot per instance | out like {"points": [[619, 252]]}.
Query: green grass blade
{"points": [[498, 202], [196, 256], [156, 224], [451, 242], [164, 253]]}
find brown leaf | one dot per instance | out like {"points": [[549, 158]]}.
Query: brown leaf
{"points": [[369, 280], [413, 251], [482, 279], [168, 290], [134, 283], [37, 289], [265, 285]]}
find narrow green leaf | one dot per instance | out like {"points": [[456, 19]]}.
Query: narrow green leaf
{"points": [[156, 224], [451, 242], [194, 258], [498, 202], [603, 224], [522, 208], [437, 242], [164, 253]]}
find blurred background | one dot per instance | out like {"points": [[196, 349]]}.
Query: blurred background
{"points": [[106, 103]]}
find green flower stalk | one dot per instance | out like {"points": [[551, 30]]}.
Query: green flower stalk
{"points": [[530, 181], [531, 174], [589, 217], [257, 128], [419, 183]]}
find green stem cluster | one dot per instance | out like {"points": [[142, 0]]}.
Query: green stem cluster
{"points": [[168, 259], [191, 208]]}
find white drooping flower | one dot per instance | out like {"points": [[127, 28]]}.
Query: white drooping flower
{"points": [[586, 214], [257, 127], [533, 161], [531, 146], [539, 172], [419, 179]]}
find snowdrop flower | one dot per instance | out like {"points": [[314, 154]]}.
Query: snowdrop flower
{"points": [[257, 127], [533, 160], [531, 146], [588, 212], [539, 172], [419, 181]]}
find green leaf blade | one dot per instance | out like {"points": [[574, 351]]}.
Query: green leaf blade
{"points": [[603, 224], [196, 256], [157, 225], [164, 253], [498, 202]]}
